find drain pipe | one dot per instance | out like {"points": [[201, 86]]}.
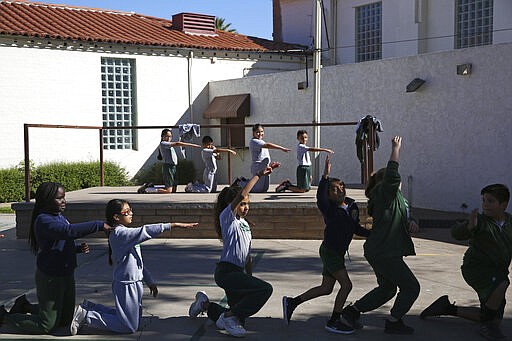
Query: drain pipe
{"points": [[190, 109], [409, 190]]}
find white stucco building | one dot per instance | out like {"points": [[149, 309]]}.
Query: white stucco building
{"points": [[69, 65]]}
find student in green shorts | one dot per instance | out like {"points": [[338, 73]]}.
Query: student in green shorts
{"points": [[304, 166], [486, 262]]}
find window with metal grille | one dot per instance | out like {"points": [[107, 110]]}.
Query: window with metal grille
{"points": [[473, 23], [118, 102], [369, 32]]}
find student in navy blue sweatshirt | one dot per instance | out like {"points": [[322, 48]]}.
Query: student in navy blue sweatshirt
{"points": [[341, 217], [52, 240]]}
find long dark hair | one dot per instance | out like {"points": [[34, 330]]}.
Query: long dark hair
{"points": [[114, 207], [225, 197], [45, 196]]}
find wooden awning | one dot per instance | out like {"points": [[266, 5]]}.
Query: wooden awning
{"points": [[230, 106]]}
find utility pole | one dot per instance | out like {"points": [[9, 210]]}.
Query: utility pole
{"points": [[317, 58]]}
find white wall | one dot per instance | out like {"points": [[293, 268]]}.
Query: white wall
{"points": [[50, 86], [455, 128], [404, 31]]}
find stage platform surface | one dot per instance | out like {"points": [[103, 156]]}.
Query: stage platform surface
{"points": [[284, 215], [276, 215]]}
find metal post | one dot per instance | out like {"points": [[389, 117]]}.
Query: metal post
{"points": [[102, 166], [316, 82], [229, 155], [27, 163]]}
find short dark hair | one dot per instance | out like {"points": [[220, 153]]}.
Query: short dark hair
{"points": [[499, 191], [301, 132], [207, 139], [165, 131], [256, 126]]}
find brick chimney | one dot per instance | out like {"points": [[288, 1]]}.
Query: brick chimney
{"points": [[194, 23]]}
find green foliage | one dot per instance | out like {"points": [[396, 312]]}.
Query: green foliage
{"points": [[185, 173], [12, 184], [73, 176], [221, 24]]}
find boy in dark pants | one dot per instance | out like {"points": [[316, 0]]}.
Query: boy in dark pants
{"points": [[341, 217], [386, 246], [486, 262]]}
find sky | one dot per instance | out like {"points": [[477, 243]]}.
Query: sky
{"points": [[248, 17]]}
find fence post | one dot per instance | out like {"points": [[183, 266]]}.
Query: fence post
{"points": [[27, 162], [102, 167]]}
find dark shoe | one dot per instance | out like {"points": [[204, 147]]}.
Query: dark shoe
{"points": [[282, 187], [3, 312], [288, 308], [21, 306], [339, 327], [142, 189], [491, 331], [398, 327], [441, 306], [352, 316]]}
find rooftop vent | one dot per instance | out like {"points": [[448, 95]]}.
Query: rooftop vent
{"points": [[194, 23]]}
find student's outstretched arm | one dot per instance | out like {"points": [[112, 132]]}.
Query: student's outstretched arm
{"points": [[396, 144], [313, 149], [275, 146], [224, 150], [184, 144]]}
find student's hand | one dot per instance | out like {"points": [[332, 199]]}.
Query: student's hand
{"points": [[327, 167], [473, 219], [232, 151], [330, 151], [107, 227], [286, 150], [2, 235], [396, 142], [84, 248], [153, 290], [413, 227], [184, 225], [274, 164]]}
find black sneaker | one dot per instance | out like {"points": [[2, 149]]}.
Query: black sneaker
{"points": [[398, 327], [352, 316], [339, 327], [282, 186], [288, 308], [491, 331], [21, 306], [441, 306]]}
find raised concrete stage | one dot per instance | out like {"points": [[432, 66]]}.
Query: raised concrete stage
{"points": [[276, 215]]}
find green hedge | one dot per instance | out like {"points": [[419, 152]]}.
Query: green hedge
{"points": [[185, 173], [73, 176]]}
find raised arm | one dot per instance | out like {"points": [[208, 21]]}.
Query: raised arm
{"points": [[247, 189], [396, 143], [270, 145]]}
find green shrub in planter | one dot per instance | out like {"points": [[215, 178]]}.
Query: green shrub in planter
{"points": [[73, 176]]}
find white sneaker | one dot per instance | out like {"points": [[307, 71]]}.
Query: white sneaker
{"points": [[78, 319], [231, 325], [196, 307]]}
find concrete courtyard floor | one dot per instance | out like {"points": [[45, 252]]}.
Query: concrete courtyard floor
{"points": [[184, 266]]}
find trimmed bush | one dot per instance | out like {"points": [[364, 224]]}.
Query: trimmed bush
{"points": [[73, 176]]}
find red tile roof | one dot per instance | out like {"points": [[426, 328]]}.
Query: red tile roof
{"points": [[42, 20]]}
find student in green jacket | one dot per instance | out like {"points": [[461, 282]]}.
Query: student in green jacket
{"points": [[386, 246], [486, 262]]}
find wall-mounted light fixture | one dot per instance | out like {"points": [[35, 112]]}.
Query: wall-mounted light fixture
{"points": [[464, 69], [302, 85], [414, 85]]}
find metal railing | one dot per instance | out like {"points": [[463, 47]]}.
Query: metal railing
{"points": [[366, 165]]}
